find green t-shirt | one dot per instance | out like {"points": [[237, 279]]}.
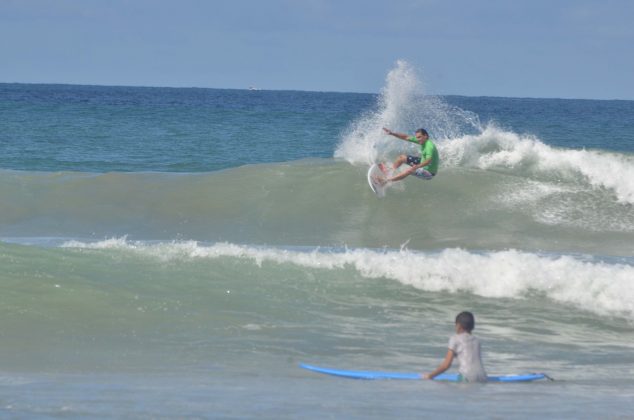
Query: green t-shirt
{"points": [[428, 150]]}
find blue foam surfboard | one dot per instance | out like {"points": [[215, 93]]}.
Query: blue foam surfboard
{"points": [[447, 377]]}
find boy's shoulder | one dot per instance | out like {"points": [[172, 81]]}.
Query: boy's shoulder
{"points": [[463, 337]]}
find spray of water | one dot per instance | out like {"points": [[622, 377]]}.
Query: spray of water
{"points": [[402, 106]]}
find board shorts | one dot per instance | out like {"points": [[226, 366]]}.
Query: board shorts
{"points": [[420, 172]]}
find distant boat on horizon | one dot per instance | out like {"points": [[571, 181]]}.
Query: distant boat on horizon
{"points": [[254, 88]]}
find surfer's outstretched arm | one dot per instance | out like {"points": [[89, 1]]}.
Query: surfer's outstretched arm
{"points": [[401, 136]]}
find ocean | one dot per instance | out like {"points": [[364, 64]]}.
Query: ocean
{"points": [[176, 253]]}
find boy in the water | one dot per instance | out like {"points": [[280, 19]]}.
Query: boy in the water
{"points": [[465, 348]]}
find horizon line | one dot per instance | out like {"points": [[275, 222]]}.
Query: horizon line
{"points": [[254, 89]]}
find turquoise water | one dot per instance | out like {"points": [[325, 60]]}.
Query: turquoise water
{"points": [[177, 252]]}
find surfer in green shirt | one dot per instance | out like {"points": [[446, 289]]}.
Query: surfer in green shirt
{"points": [[425, 166]]}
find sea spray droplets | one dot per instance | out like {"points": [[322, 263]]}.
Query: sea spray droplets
{"points": [[402, 106]]}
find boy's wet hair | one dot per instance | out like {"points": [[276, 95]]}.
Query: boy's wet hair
{"points": [[466, 320], [422, 131]]}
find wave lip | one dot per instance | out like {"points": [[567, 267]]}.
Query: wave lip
{"points": [[496, 149]]}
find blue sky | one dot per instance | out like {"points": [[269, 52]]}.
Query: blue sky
{"points": [[520, 48]]}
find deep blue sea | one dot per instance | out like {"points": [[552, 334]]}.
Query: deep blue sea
{"points": [[176, 253]]}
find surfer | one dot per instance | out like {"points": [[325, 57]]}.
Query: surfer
{"points": [[465, 348], [427, 168]]}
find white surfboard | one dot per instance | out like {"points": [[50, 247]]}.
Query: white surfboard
{"points": [[375, 180]]}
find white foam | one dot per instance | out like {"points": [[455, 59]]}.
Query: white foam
{"points": [[605, 289], [496, 149]]}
